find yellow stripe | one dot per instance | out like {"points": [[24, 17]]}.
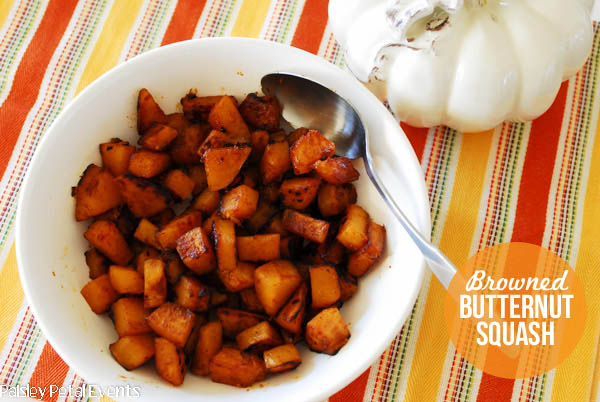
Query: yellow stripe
{"points": [[12, 295], [432, 343], [251, 18], [111, 40], [574, 380], [5, 7]]}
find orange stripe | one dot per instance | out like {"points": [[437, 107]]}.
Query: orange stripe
{"points": [[184, 20], [50, 370], [30, 73], [417, 138], [311, 26], [355, 391]]}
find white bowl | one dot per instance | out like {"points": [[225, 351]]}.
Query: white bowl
{"points": [[50, 244]]}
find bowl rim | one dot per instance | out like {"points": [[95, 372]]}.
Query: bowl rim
{"points": [[424, 225]]}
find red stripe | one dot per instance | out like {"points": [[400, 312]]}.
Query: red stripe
{"points": [[311, 26], [50, 370], [355, 391], [184, 20], [30, 73], [530, 217], [417, 137]]}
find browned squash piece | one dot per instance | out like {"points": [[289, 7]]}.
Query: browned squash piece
{"points": [[278, 136], [309, 149], [173, 322], [147, 254], [324, 286], [115, 156], [327, 332], [174, 267], [292, 314], [190, 345], [337, 170], [99, 294], [132, 351], [197, 107], [282, 358], [96, 262], [348, 285], [239, 203], [224, 237], [260, 139], [179, 184], [296, 134], [261, 111], [196, 251], [177, 121], [106, 237], [258, 338], [129, 315], [217, 298], [210, 341], [275, 282], [224, 115], [275, 225], [158, 137], [299, 192], [333, 200], [147, 164], [168, 235], [251, 301], [260, 217], [232, 367], [353, 233], [330, 252], [96, 193], [270, 192], [148, 112], [263, 247], [360, 261], [284, 247], [126, 280], [235, 321], [275, 162], [207, 202], [198, 175], [215, 139], [192, 294], [207, 225], [143, 198], [155, 283], [250, 176], [169, 362], [146, 233], [241, 277], [184, 149], [222, 165], [305, 226]]}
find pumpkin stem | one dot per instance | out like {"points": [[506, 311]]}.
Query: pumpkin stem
{"points": [[402, 14]]}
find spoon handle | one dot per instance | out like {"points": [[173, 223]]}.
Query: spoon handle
{"points": [[439, 264]]}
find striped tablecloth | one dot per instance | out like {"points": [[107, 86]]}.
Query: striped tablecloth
{"points": [[537, 182]]}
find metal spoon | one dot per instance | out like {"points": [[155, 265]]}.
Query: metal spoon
{"points": [[309, 104]]}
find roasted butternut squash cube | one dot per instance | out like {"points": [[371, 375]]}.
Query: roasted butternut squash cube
{"points": [[210, 341], [308, 150], [198, 175], [214, 139], [327, 332], [179, 184], [168, 235], [282, 358], [192, 294], [174, 267], [222, 165], [155, 283], [330, 252], [291, 316], [337, 170], [348, 285], [99, 294], [275, 282], [334, 200], [96, 262], [184, 149], [132, 351], [299, 192], [177, 121], [147, 164], [115, 156], [275, 162], [158, 137], [224, 237], [258, 338], [217, 298], [106, 237], [146, 233], [129, 315], [196, 251], [173, 322], [224, 115], [197, 107], [261, 111], [263, 247], [241, 277], [360, 261], [260, 139], [96, 193], [169, 362], [148, 112], [353, 233], [251, 301], [239, 203], [305, 226], [275, 225], [146, 254], [126, 280], [324, 286], [296, 134], [207, 202], [235, 321], [260, 217], [190, 345], [143, 198], [232, 367], [270, 193]]}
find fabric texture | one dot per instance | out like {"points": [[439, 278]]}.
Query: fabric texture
{"points": [[535, 182]]}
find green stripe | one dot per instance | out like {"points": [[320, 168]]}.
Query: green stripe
{"points": [[156, 22], [287, 16]]}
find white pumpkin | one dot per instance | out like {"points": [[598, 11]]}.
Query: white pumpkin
{"points": [[466, 64]]}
